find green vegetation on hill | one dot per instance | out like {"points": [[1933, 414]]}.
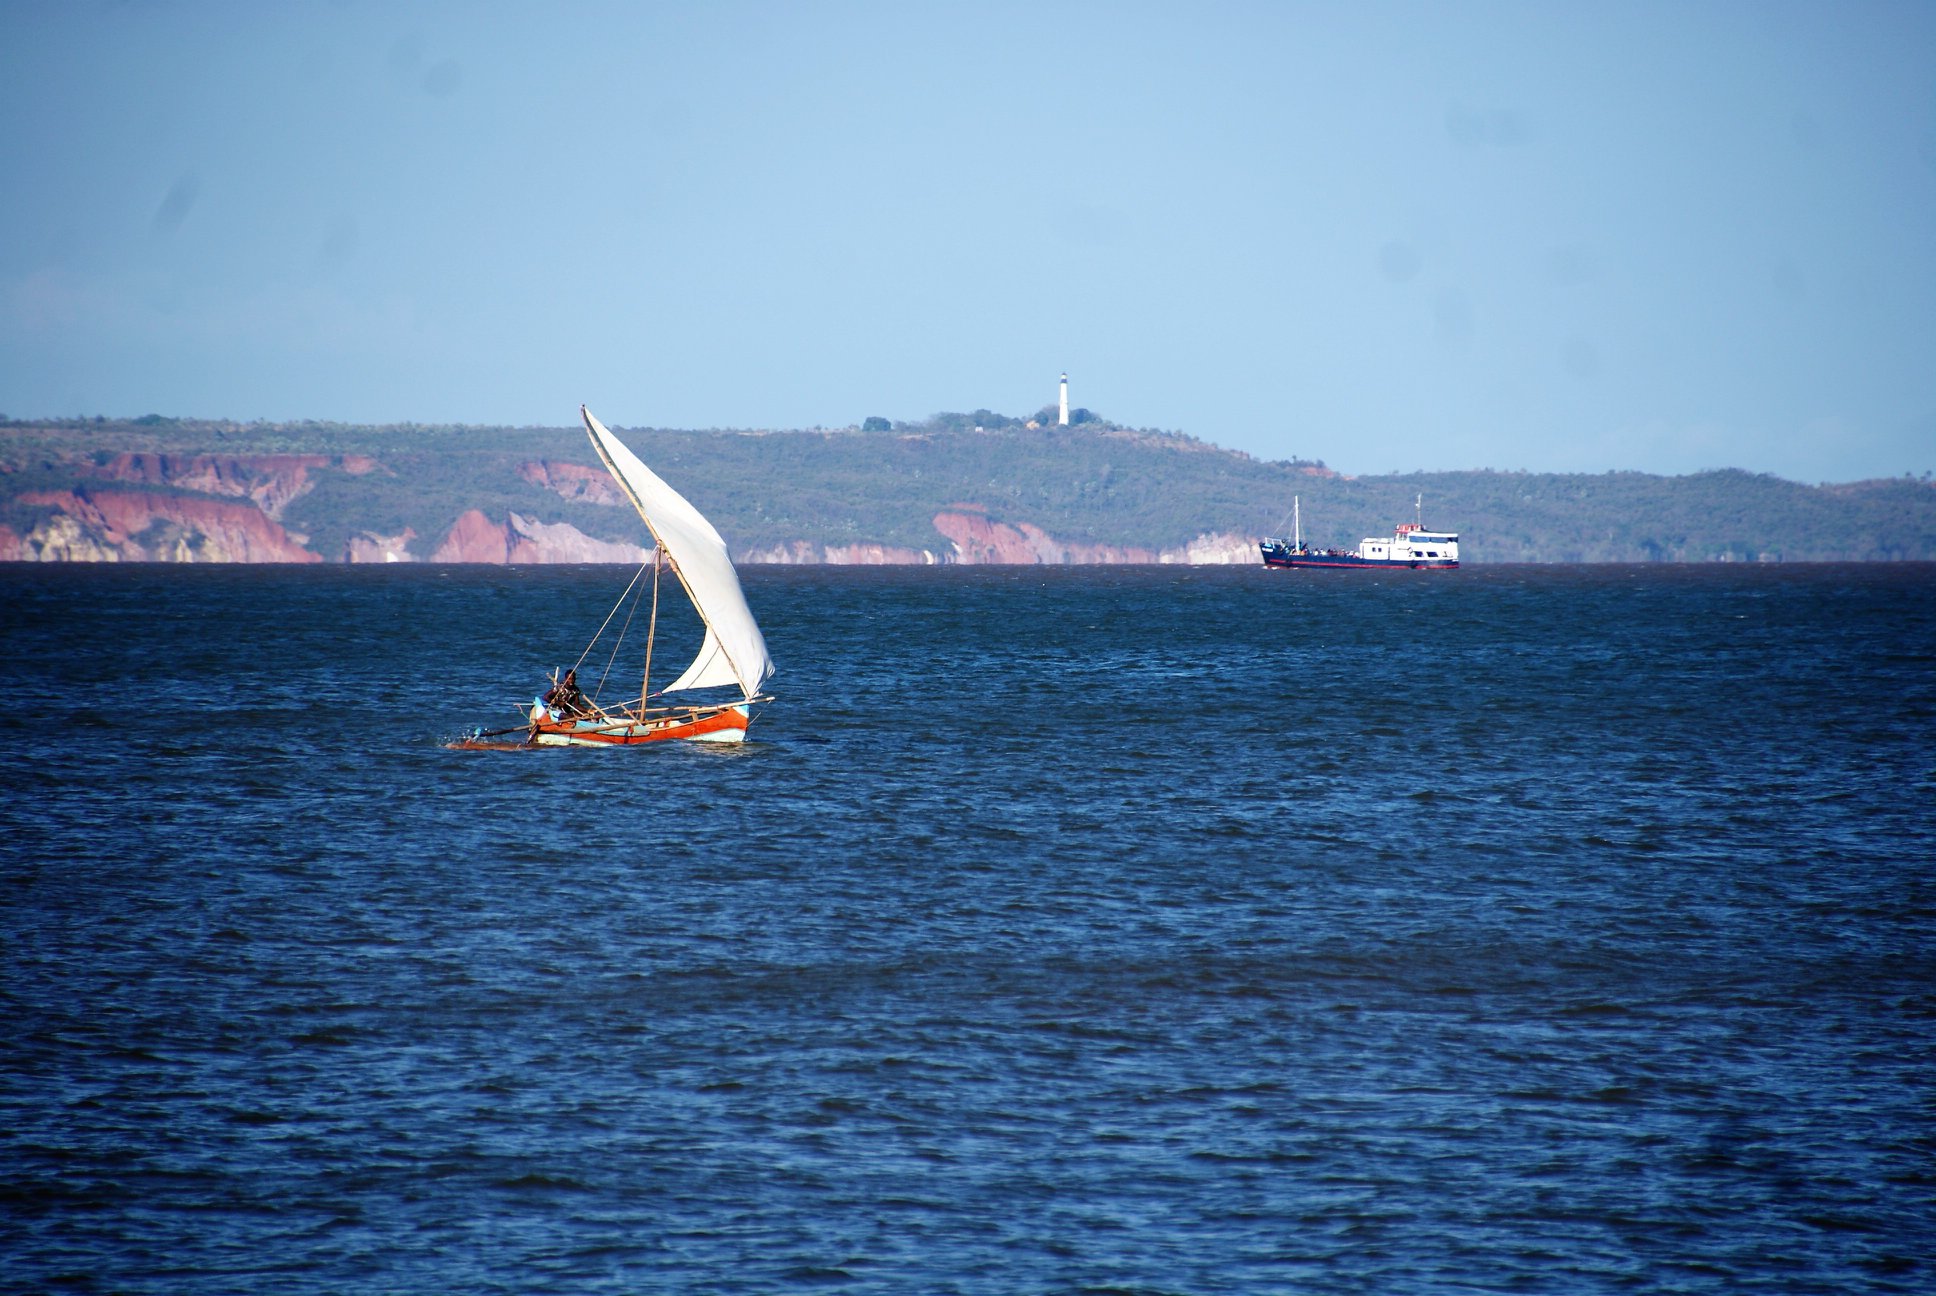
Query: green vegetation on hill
{"points": [[1093, 482], [1098, 483]]}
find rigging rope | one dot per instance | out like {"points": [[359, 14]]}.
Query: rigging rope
{"points": [[636, 576], [619, 642]]}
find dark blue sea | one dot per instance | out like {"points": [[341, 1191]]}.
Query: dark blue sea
{"points": [[1154, 930]]}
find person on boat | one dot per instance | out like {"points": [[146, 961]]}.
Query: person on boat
{"points": [[565, 697]]}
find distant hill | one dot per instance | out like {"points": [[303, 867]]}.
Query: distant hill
{"points": [[978, 487]]}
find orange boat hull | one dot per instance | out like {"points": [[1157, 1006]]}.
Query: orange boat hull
{"points": [[716, 724], [726, 724]]}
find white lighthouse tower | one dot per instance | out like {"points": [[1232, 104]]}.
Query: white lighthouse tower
{"points": [[1062, 419]]}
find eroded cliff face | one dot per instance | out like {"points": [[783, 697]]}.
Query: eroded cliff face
{"points": [[59, 539], [519, 539], [144, 507], [271, 481], [978, 539], [965, 535], [227, 508], [807, 553], [148, 526], [369, 547], [574, 482], [1219, 548], [968, 537]]}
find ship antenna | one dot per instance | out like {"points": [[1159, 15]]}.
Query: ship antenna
{"points": [[1418, 510]]}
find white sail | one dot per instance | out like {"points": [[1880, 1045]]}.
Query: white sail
{"points": [[734, 651]]}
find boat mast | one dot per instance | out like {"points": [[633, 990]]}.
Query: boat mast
{"points": [[1297, 525], [651, 627]]}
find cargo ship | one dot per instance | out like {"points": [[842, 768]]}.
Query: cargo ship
{"points": [[1411, 545]]}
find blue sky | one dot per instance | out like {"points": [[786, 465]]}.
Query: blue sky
{"points": [[1393, 236]]}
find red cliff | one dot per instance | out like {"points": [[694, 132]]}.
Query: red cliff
{"points": [[519, 539], [474, 539], [145, 526], [979, 539], [573, 482], [269, 480]]}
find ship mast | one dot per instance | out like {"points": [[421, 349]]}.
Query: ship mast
{"points": [[652, 626]]}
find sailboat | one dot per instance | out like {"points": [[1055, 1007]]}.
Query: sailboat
{"points": [[732, 654]]}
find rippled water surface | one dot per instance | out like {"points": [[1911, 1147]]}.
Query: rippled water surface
{"points": [[1142, 930]]}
